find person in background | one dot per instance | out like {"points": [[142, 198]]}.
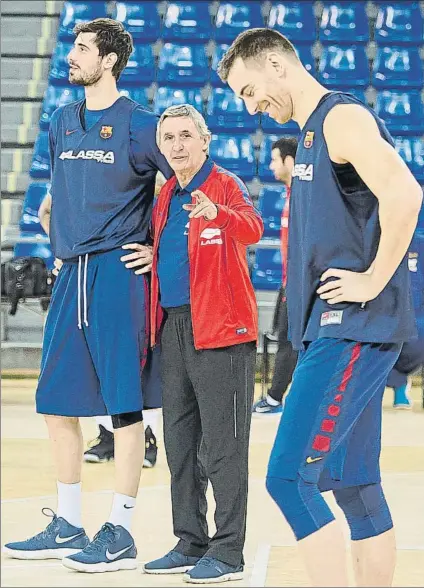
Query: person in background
{"points": [[283, 154]]}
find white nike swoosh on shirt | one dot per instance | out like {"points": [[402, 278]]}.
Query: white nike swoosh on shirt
{"points": [[60, 539], [111, 556]]}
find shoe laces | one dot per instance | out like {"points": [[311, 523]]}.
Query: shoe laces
{"points": [[208, 561], [102, 538], [52, 526]]}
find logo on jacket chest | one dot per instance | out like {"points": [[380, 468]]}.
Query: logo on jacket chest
{"points": [[211, 237], [303, 171]]}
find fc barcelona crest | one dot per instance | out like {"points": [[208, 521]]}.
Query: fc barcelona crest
{"points": [[106, 132], [309, 139]]}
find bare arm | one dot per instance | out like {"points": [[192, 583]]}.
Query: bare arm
{"points": [[44, 212], [352, 135]]}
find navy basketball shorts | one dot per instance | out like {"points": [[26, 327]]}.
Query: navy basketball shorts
{"points": [[95, 339], [330, 430]]}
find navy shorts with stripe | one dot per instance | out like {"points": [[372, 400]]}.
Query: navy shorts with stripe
{"points": [[95, 370], [330, 430]]}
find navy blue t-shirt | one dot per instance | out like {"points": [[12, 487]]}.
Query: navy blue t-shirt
{"points": [[335, 227], [173, 265], [103, 176]]}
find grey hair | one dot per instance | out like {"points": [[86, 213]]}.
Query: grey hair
{"points": [[184, 110]]}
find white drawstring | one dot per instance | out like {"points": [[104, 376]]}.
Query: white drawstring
{"points": [[79, 293], [84, 291]]}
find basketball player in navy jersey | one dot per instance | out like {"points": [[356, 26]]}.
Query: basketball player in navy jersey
{"points": [[104, 161], [353, 209]]}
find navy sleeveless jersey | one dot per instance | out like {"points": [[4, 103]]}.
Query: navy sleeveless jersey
{"points": [[103, 178], [332, 228]]}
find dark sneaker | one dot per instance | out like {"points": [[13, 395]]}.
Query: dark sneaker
{"points": [[102, 449], [111, 550], [209, 570], [58, 540], [151, 454], [171, 563]]}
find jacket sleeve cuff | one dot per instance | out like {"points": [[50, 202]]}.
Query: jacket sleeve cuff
{"points": [[222, 219]]}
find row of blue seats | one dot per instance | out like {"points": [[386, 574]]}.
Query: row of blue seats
{"points": [[236, 153], [341, 22], [403, 112], [338, 66]]}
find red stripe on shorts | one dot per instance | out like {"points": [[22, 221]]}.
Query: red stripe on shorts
{"points": [[347, 374]]}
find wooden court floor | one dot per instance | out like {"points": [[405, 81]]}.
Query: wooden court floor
{"points": [[28, 485]]}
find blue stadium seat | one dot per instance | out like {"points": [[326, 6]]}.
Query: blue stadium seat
{"points": [[34, 196], [358, 93], [402, 112], [28, 247], [40, 167], [139, 95], [56, 96], [305, 55], [344, 22], [271, 202], [140, 68], [166, 96], [235, 153], [183, 65], [187, 22], [226, 112], [233, 18], [76, 12], [141, 19], [269, 125], [399, 23], [265, 174], [267, 270], [341, 67], [411, 149], [215, 80], [59, 66], [397, 67], [295, 20]]}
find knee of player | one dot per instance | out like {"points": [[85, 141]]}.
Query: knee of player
{"points": [[365, 509], [301, 504]]}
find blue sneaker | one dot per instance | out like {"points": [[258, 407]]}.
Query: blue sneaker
{"points": [[58, 540], [209, 570], [402, 399], [171, 563], [263, 407], [112, 549]]}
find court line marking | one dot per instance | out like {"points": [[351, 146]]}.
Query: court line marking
{"points": [[260, 566]]}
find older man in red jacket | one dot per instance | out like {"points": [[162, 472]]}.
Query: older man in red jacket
{"points": [[204, 307]]}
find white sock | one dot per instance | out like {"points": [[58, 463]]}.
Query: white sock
{"points": [[106, 421], [69, 503], [272, 400], [150, 419], [122, 511]]}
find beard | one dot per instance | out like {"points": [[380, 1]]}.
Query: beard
{"points": [[80, 78]]}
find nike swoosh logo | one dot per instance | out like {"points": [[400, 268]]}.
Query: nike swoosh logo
{"points": [[128, 507], [60, 539], [312, 459], [112, 556], [70, 132]]}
